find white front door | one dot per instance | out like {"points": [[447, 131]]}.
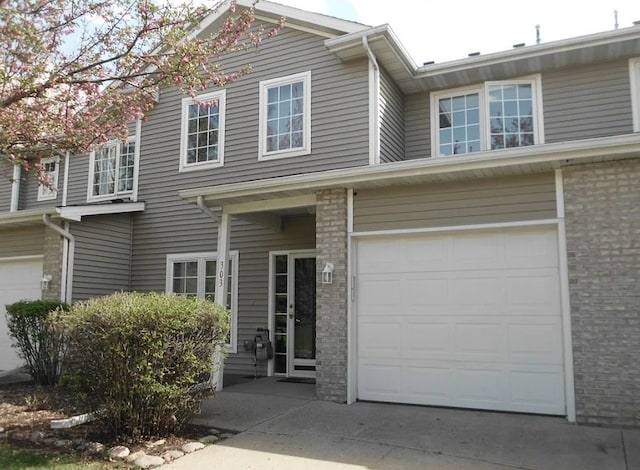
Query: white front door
{"points": [[294, 288], [465, 319], [19, 280]]}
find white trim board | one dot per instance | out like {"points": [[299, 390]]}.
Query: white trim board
{"points": [[567, 340]]}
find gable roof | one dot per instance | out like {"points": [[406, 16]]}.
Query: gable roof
{"points": [[328, 26], [573, 52]]}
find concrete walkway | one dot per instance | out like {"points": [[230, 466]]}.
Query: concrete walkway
{"points": [[281, 426]]}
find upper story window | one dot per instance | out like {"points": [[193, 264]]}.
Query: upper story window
{"points": [[285, 116], [202, 138], [112, 170], [50, 169], [194, 275], [491, 116], [634, 76]]}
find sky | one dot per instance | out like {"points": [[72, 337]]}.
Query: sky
{"points": [[447, 30]]}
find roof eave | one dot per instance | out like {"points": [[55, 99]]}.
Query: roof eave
{"points": [[548, 156]]}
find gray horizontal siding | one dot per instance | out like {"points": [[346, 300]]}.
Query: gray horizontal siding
{"points": [[6, 175], [587, 102], [102, 255], [493, 200], [578, 103], [187, 230], [78, 180], [26, 241], [417, 130], [391, 111], [339, 124]]}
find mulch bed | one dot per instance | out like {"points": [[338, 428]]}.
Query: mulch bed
{"points": [[27, 408]]}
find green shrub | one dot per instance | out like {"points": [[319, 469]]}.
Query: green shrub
{"points": [[135, 358], [40, 342]]}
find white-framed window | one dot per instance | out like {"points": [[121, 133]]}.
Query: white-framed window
{"points": [[50, 169], [194, 274], [285, 116], [112, 170], [202, 136], [634, 77], [491, 116]]}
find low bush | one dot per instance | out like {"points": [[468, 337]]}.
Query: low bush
{"points": [[135, 358], [35, 333]]}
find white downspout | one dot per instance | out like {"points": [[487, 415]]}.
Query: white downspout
{"points": [[67, 261], [374, 105], [204, 208], [15, 187]]}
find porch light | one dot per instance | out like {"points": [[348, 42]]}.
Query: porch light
{"points": [[327, 273], [44, 282]]}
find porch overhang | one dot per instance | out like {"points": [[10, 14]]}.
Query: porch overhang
{"points": [[299, 190]]}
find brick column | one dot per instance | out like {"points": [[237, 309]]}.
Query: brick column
{"points": [[602, 205], [53, 246], [331, 299]]}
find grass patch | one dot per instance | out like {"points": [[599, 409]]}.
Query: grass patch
{"points": [[12, 458]]}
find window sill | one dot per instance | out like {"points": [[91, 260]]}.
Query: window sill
{"points": [[200, 166], [283, 154]]}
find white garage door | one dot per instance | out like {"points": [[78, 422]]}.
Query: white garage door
{"points": [[18, 280], [466, 319]]}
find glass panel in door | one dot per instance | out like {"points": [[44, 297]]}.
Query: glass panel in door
{"points": [[304, 318]]}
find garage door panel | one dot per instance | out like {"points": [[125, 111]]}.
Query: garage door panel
{"points": [[534, 291], [381, 293], [382, 381], [479, 339], [538, 391], [537, 248], [426, 292], [535, 343], [428, 384], [478, 291], [427, 337], [380, 339], [479, 388], [475, 252], [479, 327], [433, 252]]}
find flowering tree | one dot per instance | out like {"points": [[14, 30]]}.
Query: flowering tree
{"points": [[73, 72]]}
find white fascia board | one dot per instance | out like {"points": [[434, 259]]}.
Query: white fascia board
{"points": [[581, 150], [76, 213], [25, 216], [382, 31], [276, 10], [529, 52]]}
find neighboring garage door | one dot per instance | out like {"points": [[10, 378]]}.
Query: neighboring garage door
{"points": [[466, 319], [18, 280]]}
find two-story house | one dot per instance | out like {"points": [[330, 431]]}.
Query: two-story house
{"points": [[461, 234]]}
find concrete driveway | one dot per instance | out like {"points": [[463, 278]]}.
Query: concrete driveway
{"points": [[281, 426]]}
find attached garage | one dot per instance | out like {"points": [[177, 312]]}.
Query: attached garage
{"points": [[468, 318], [19, 279]]}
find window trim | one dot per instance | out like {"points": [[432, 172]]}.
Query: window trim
{"points": [[133, 192], [45, 193], [263, 154], [209, 256], [634, 81], [483, 95], [221, 96]]}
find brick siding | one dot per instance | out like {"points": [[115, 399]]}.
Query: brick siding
{"points": [[52, 265], [602, 204], [331, 299]]}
